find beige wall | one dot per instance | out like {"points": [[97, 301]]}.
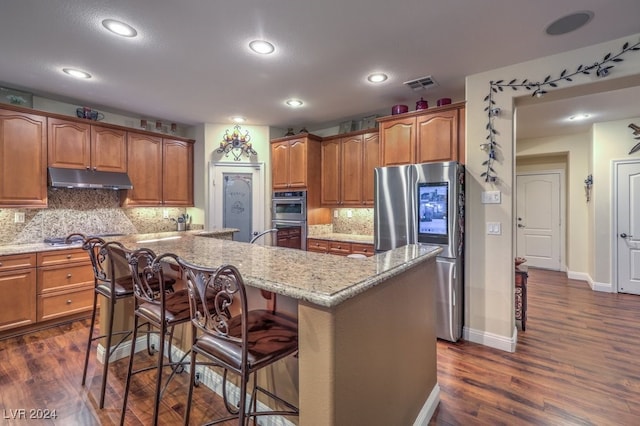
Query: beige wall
{"points": [[489, 258]]}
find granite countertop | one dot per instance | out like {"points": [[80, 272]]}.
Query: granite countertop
{"points": [[322, 279], [9, 249], [350, 238]]}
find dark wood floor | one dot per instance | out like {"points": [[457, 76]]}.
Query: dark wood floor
{"points": [[578, 363]]}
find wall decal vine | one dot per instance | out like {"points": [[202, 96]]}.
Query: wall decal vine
{"points": [[539, 88]]}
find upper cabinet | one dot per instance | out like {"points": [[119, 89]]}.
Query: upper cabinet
{"points": [[423, 136], [348, 165], [161, 171], [295, 162], [23, 159], [77, 145]]}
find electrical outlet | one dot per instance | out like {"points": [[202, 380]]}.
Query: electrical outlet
{"points": [[18, 217], [165, 214], [491, 197], [349, 213], [494, 228], [335, 213]]}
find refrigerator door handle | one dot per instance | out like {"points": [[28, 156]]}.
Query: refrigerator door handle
{"points": [[452, 295]]}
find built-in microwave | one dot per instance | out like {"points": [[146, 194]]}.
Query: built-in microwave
{"points": [[289, 205]]}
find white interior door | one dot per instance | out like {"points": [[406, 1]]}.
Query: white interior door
{"points": [[237, 198], [538, 219], [628, 227]]}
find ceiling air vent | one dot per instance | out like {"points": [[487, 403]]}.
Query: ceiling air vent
{"points": [[421, 83]]}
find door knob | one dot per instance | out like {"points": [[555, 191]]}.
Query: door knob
{"points": [[521, 226], [623, 235]]}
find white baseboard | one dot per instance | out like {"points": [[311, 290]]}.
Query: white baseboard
{"points": [[604, 287], [124, 349], [492, 340], [595, 286], [429, 407]]}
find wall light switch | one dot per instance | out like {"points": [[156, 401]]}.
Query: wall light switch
{"points": [[335, 213], [491, 197], [18, 217], [494, 228], [165, 213]]}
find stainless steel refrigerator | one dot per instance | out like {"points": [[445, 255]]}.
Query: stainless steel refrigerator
{"points": [[424, 204]]}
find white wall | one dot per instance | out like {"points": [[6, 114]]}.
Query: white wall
{"points": [[489, 258]]}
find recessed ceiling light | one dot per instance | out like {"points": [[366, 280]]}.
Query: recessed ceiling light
{"points": [[579, 117], [76, 73], [262, 47], [377, 77], [119, 28], [294, 103], [238, 119], [569, 23]]}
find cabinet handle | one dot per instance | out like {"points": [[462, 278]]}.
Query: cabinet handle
{"points": [[88, 168], [68, 275], [68, 256], [0, 263], [68, 301]]}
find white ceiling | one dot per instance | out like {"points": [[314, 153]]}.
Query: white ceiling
{"points": [[190, 63]]}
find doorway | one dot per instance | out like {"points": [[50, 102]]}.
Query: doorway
{"points": [[626, 232], [539, 218], [237, 198]]}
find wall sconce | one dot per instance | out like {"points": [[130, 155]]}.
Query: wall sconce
{"points": [[588, 183], [236, 143]]}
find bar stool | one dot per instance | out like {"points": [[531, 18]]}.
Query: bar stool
{"points": [[241, 343], [114, 287], [159, 306]]}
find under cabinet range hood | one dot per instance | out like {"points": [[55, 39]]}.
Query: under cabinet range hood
{"points": [[79, 178]]}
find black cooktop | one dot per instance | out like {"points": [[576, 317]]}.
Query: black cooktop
{"points": [[76, 239]]}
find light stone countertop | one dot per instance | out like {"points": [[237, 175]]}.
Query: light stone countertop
{"points": [[322, 279], [350, 238], [9, 249]]}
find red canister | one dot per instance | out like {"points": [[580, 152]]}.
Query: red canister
{"points": [[422, 104], [399, 109], [444, 101]]}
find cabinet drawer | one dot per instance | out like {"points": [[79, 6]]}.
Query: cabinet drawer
{"points": [[339, 247], [366, 249], [62, 257], [65, 303], [64, 277], [17, 261], [320, 246]]}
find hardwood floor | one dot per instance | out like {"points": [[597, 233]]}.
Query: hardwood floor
{"points": [[578, 363]]}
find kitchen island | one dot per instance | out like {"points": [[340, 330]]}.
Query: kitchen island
{"points": [[367, 344]]}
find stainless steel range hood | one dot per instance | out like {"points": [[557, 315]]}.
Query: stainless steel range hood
{"points": [[78, 178]]}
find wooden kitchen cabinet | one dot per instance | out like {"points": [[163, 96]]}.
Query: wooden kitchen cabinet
{"points": [[23, 159], [289, 237], [77, 145], [423, 136], [348, 165], [65, 283], [318, 246], [18, 289], [295, 162], [161, 171], [342, 248]]}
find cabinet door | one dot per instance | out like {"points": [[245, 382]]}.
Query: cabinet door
{"points": [[108, 149], [351, 170], [280, 165], [69, 144], [23, 159], [371, 160], [17, 304], [397, 146], [437, 137], [144, 158], [298, 163], [330, 174], [177, 166]]}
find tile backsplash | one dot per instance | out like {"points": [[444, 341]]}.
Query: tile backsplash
{"points": [[89, 211]]}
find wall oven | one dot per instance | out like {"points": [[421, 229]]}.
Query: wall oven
{"points": [[289, 213]]}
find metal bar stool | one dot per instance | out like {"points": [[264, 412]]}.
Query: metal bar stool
{"points": [[158, 305], [240, 340]]}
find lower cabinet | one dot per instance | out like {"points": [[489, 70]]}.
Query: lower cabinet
{"points": [[342, 248], [65, 283], [18, 289], [290, 238]]}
